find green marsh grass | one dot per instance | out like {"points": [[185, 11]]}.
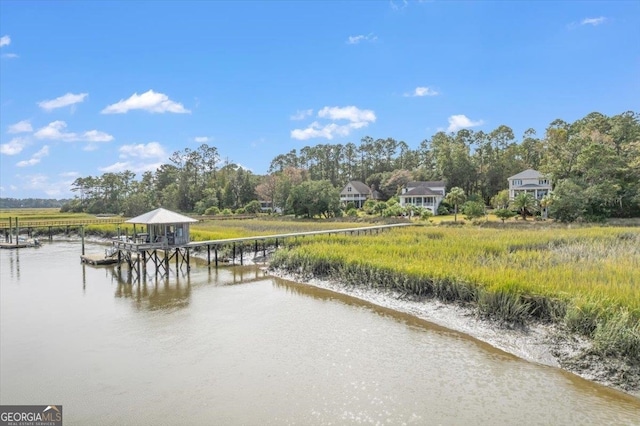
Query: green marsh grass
{"points": [[40, 215]]}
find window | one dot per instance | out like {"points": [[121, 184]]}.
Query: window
{"points": [[517, 182], [543, 182], [348, 189]]}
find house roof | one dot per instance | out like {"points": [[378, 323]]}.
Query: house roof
{"points": [[376, 195], [527, 174], [420, 190], [360, 187], [428, 184], [161, 216]]}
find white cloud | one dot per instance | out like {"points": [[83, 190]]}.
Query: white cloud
{"points": [[14, 146], [62, 101], [56, 131], [5, 40], [69, 174], [96, 136], [149, 101], [150, 150], [350, 113], [138, 158], [422, 91], [35, 158], [593, 21], [40, 182], [398, 5], [201, 139], [357, 119], [461, 121], [316, 130], [360, 38], [588, 21], [121, 166], [301, 114], [10, 55], [23, 126]]}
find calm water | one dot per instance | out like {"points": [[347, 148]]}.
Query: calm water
{"points": [[237, 347]]}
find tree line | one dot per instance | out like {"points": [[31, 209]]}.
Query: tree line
{"points": [[32, 203], [594, 164]]}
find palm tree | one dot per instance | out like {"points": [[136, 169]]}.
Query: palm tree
{"points": [[456, 197], [524, 202]]}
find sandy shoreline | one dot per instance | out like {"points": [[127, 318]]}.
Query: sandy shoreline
{"points": [[546, 344]]}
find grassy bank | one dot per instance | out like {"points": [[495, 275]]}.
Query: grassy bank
{"points": [[40, 215], [586, 278]]}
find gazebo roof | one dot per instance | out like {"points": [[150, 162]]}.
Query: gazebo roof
{"points": [[161, 216]]}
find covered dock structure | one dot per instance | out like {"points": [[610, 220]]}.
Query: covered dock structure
{"points": [[165, 237]]}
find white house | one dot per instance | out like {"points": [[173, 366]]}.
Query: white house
{"points": [[357, 193], [423, 194], [530, 181]]}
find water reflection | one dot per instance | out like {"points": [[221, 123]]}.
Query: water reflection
{"points": [[14, 263], [154, 293]]}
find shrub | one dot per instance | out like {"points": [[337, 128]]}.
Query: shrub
{"points": [[253, 207], [473, 210], [426, 214], [504, 214], [443, 209]]}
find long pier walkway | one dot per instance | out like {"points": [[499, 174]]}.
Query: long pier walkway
{"points": [[12, 226], [138, 253]]}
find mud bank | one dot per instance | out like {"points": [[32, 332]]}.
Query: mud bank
{"points": [[547, 344]]}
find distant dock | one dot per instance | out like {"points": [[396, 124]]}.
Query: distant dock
{"points": [[98, 259], [21, 243], [15, 246]]}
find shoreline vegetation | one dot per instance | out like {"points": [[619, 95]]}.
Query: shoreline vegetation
{"points": [[561, 295]]}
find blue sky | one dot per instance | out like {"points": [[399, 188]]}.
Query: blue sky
{"points": [[93, 87]]}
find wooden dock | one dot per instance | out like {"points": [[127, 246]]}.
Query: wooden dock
{"points": [[15, 246], [98, 259], [161, 254]]}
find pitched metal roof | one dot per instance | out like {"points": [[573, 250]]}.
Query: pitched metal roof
{"points": [[161, 216], [528, 174]]}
